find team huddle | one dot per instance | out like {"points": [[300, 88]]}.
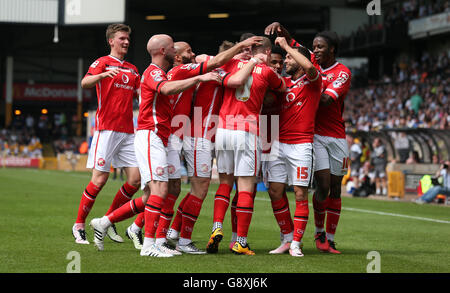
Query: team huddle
{"points": [[235, 107]]}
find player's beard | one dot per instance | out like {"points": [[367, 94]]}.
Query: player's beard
{"points": [[169, 59], [186, 60], [292, 69]]}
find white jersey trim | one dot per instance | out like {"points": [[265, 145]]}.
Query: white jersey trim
{"points": [[155, 119], [333, 91], [329, 68], [210, 112]]}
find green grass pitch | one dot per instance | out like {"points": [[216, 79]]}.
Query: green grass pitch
{"points": [[38, 208]]}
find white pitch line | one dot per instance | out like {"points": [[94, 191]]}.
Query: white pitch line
{"points": [[396, 215]]}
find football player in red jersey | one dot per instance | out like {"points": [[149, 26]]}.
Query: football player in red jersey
{"points": [[330, 145], [292, 154], [117, 82], [280, 206], [155, 113], [222, 196], [238, 146]]}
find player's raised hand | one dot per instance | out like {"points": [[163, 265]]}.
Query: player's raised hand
{"points": [[111, 73], [276, 27], [272, 28], [281, 41], [210, 76], [252, 41]]}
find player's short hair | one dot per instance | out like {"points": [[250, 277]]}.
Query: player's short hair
{"points": [[116, 27], [265, 44], [225, 46], [305, 52], [245, 36], [278, 50], [331, 38]]}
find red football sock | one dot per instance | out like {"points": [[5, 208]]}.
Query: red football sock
{"points": [[283, 215], [333, 214], [221, 202], [123, 195], [166, 216], [87, 201], [291, 222], [140, 220], [319, 212], [244, 212], [126, 211], [152, 213], [176, 223], [191, 211], [300, 219], [233, 212]]}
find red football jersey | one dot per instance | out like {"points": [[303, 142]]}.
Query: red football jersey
{"points": [[208, 98], [241, 106], [155, 109], [115, 95], [336, 82], [182, 102], [298, 109]]}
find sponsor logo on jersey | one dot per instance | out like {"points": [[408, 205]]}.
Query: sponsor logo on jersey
{"points": [[190, 66], [156, 74], [94, 64], [290, 97], [221, 72], [125, 78], [341, 79]]}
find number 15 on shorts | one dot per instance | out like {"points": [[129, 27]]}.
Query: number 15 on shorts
{"points": [[302, 173]]}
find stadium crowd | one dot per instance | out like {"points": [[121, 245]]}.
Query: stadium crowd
{"points": [[413, 9], [399, 13], [20, 143], [415, 96]]}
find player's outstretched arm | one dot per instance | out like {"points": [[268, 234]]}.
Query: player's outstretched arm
{"points": [[223, 57], [90, 81], [239, 78], [310, 70], [177, 86]]}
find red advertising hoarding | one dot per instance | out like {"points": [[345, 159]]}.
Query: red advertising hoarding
{"points": [[19, 162], [49, 92]]}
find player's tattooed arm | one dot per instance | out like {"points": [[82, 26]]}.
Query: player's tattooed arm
{"points": [[177, 86]]}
